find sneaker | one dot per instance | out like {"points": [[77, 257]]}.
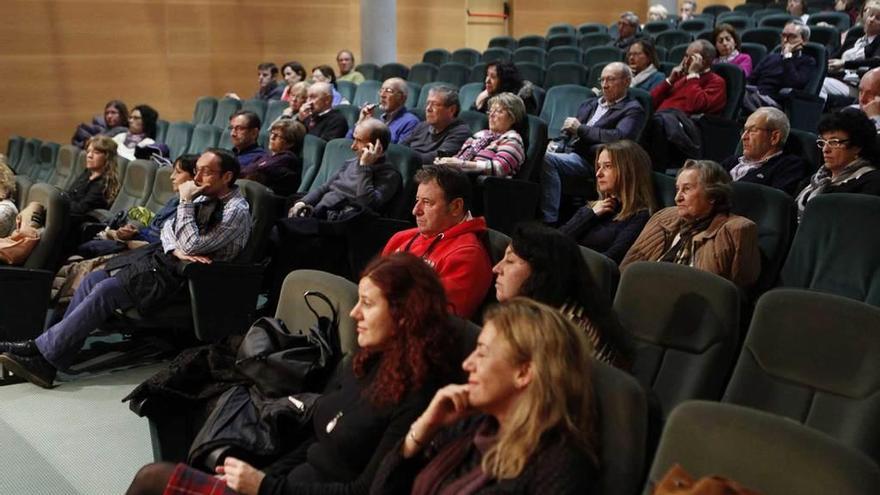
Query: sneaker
{"points": [[34, 369]]}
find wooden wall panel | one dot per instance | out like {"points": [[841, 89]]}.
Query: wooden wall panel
{"points": [[535, 16], [426, 24]]}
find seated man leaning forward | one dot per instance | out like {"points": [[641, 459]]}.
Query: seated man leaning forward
{"points": [[614, 116], [763, 160], [367, 180], [448, 238], [212, 223]]}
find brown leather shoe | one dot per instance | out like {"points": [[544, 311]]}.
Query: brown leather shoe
{"points": [[34, 369]]}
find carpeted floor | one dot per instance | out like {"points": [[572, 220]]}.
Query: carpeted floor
{"points": [[77, 438]]}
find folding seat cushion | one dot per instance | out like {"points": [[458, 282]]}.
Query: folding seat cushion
{"points": [[814, 358], [764, 452], [203, 112]]}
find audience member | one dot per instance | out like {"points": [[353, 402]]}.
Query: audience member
{"points": [[345, 62], [269, 89], [280, 169], [843, 83], [798, 9], [392, 102], [244, 130], [448, 238], [293, 73], [114, 121], [297, 94], [627, 29], [8, 210], [614, 116], [405, 348], [319, 116], [141, 131], [499, 150], [97, 185], [691, 86], [869, 95], [852, 8], [325, 74], [848, 141], [788, 68], [531, 383], [700, 231], [612, 223], [442, 133], [504, 77], [687, 10], [543, 264], [147, 279], [643, 62], [657, 12], [728, 46], [763, 160]]}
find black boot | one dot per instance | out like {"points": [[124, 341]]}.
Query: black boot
{"points": [[24, 348], [34, 369]]}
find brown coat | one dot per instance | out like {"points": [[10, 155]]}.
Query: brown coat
{"points": [[728, 247]]}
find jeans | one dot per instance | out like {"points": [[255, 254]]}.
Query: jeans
{"points": [[556, 165]]}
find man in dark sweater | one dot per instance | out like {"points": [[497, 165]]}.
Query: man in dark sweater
{"points": [[763, 160], [318, 115], [244, 129], [790, 67], [442, 133]]}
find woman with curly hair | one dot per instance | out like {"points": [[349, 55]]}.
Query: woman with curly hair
{"points": [[405, 347], [97, 186], [142, 130], [525, 422], [504, 77]]}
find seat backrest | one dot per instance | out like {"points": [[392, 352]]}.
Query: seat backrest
{"points": [[604, 272], [467, 94], [566, 73], [162, 129], [466, 56], [840, 20], [562, 39], [476, 121], [63, 175], [819, 53], [478, 73], [755, 50], [735, 79], [536, 145], [412, 96], [276, 109], [775, 20], [622, 407], [677, 52], [833, 250], [346, 88], [498, 242], [405, 161], [561, 102], [496, 54], [256, 105], [814, 358], [422, 73], [292, 308], [592, 27], [767, 36], [590, 40], [367, 92], [313, 153], [532, 40], [47, 253], [715, 9], [351, 114], [564, 54], [436, 56], [30, 154], [225, 139], [748, 446], [454, 73], [654, 28], [673, 37], [225, 108], [336, 153], [370, 71], [178, 138], [560, 28], [695, 25], [261, 201], [46, 159], [13, 150], [531, 54], [393, 69], [203, 112], [162, 191], [664, 189], [684, 323], [803, 144], [827, 36], [137, 185], [503, 42], [532, 72], [204, 136]]}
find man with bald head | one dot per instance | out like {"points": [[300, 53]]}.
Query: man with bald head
{"points": [[691, 86], [319, 116], [392, 103], [613, 117], [869, 95]]}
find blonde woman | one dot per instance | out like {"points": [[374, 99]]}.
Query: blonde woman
{"points": [[8, 210], [97, 186], [534, 429], [611, 224]]}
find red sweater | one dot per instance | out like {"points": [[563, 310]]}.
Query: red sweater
{"points": [[458, 257], [704, 94]]}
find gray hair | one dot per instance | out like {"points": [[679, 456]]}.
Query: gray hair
{"points": [[776, 121], [292, 132], [693, 4], [622, 69], [630, 18], [448, 94], [716, 182], [398, 84], [512, 103], [707, 50], [658, 9], [322, 87], [802, 28]]}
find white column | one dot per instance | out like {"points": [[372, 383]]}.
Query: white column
{"points": [[379, 31]]}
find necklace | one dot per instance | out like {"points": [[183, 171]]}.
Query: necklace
{"points": [[332, 423]]}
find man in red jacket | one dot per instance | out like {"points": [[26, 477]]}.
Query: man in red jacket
{"points": [[448, 238], [691, 86]]}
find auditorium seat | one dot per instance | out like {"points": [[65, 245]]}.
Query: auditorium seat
{"points": [[256, 105], [467, 94], [664, 189], [276, 109], [532, 40], [563, 73], [496, 54], [560, 28], [453, 73], [135, 188], [393, 69], [756, 51], [531, 54], [47, 157], [562, 102], [412, 96], [506, 42], [312, 154], [335, 154], [591, 27], [367, 92], [351, 114], [422, 73], [225, 108], [715, 9], [677, 52], [840, 20], [203, 136], [695, 25], [162, 190], [590, 40], [476, 121], [14, 150], [767, 36], [29, 156], [564, 54], [466, 56], [65, 167], [763, 452], [162, 129], [673, 37], [603, 271], [203, 112], [531, 72], [178, 138], [346, 88], [478, 73], [653, 28], [775, 20], [561, 40], [436, 56], [370, 71]]}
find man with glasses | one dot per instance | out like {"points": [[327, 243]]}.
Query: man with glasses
{"points": [[763, 160], [392, 102], [319, 116], [442, 133], [789, 67], [613, 117], [244, 129], [627, 30]]}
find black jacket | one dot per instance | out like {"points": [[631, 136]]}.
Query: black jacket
{"points": [[783, 172], [331, 125]]}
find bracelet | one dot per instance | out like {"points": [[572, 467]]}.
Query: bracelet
{"points": [[412, 436]]}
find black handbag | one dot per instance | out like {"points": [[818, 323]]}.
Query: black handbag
{"points": [[281, 362]]}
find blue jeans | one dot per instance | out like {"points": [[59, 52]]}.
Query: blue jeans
{"points": [[94, 301], [556, 165]]}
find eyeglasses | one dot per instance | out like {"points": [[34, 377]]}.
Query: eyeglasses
{"points": [[833, 143], [610, 79], [497, 110], [240, 128], [276, 135], [755, 130], [388, 91]]}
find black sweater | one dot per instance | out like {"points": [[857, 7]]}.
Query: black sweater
{"points": [[331, 125], [86, 195], [604, 234]]}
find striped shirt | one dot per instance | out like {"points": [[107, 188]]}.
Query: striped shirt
{"points": [[505, 154], [221, 243]]}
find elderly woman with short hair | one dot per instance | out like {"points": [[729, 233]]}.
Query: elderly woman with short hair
{"points": [[700, 231], [498, 150], [727, 46], [280, 169]]}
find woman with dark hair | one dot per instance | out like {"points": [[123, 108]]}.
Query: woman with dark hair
{"points": [[280, 169], [113, 121], [848, 140], [700, 231], [727, 45], [525, 422], [405, 344], [644, 63], [141, 131], [611, 224], [504, 77], [545, 265], [325, 73], [293, 72]]}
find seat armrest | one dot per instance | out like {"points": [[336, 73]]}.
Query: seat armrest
{"points": [[223, 297]]}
